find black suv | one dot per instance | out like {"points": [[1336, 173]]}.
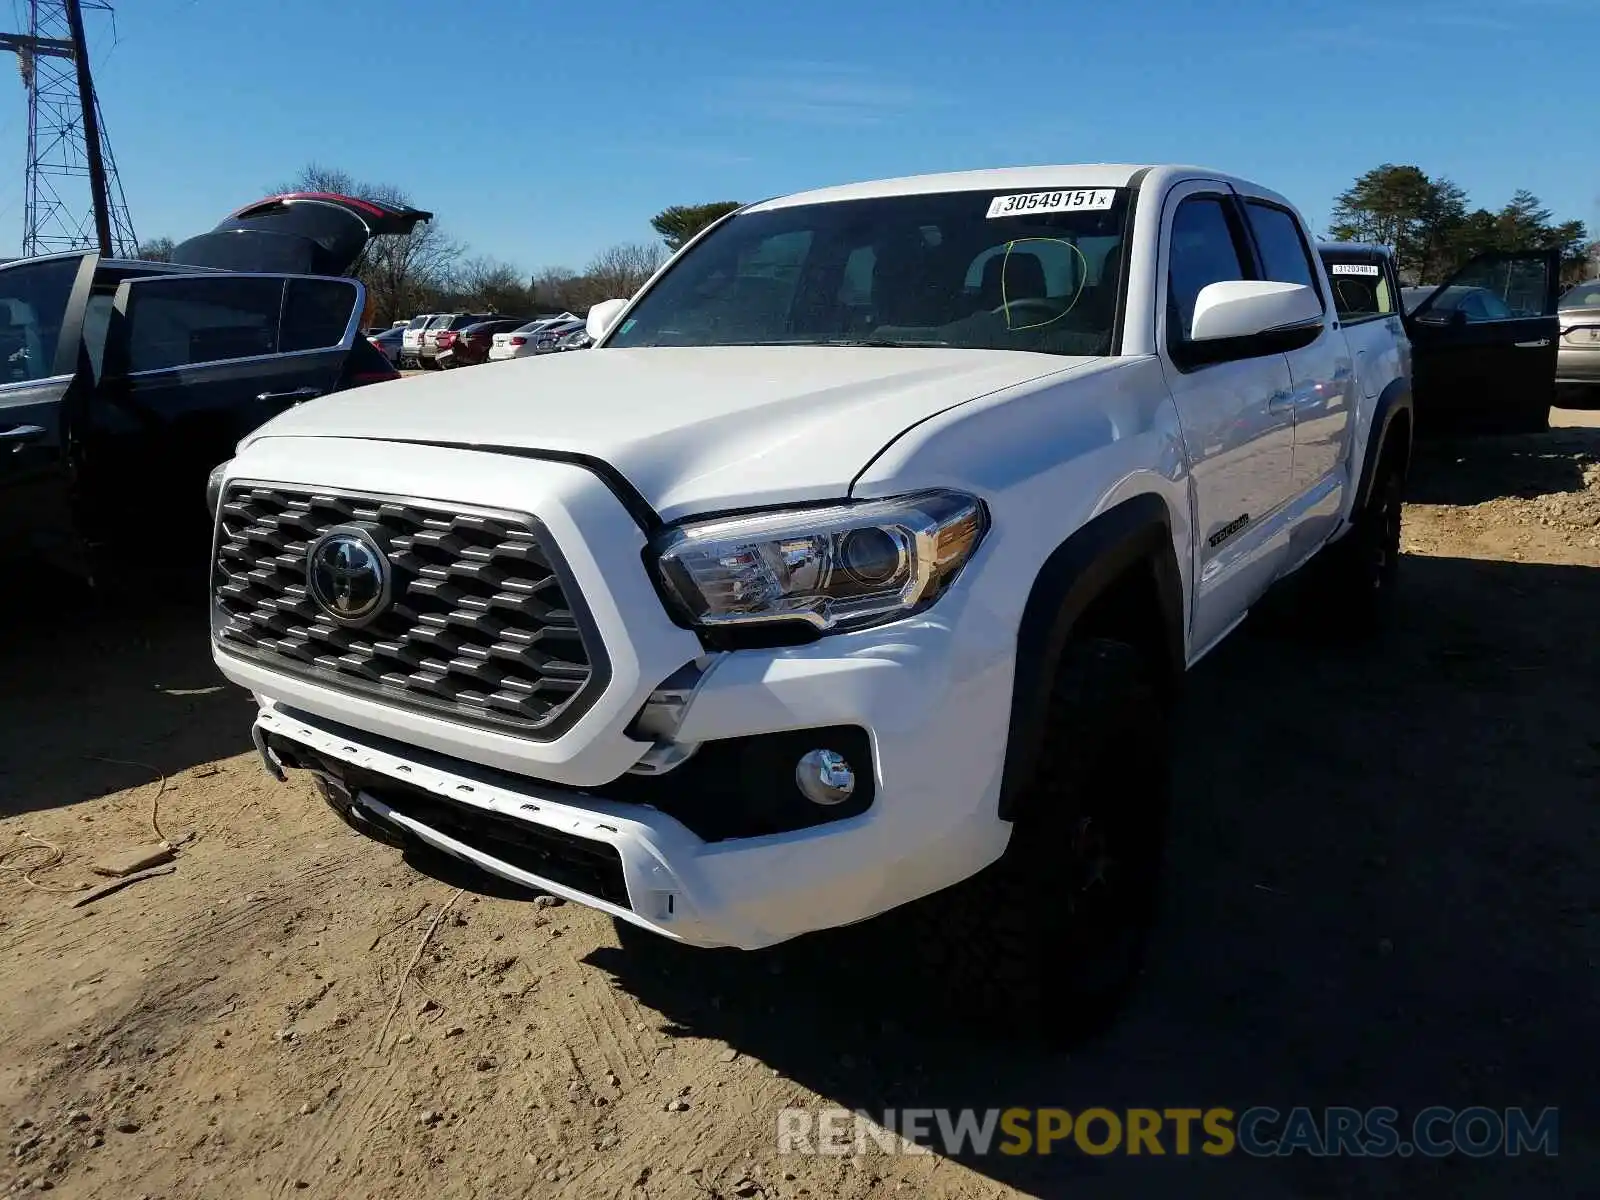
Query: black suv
{"points": [[123, 382]]}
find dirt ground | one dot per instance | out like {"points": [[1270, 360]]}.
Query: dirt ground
{"points": [[1382, 890]]}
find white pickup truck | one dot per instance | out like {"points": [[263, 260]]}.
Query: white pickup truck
{"points": [[857, 561]]}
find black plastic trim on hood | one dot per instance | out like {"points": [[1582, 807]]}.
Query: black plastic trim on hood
{"points": [[302, 233], [627, 495]]}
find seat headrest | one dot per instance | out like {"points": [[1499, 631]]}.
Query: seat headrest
{"points": [[1023, 277]]}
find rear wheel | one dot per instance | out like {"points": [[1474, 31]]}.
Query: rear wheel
{"points": [[1360, 571]]}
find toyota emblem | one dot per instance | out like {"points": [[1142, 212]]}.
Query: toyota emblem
{"points": [[348, 575]]}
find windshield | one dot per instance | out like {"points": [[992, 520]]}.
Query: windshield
{"points": [[1040, 274], [1360, 287], [419, 322], [1585, 295], [442, 320]]}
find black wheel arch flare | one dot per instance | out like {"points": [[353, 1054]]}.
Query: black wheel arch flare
{"points": [[1134, 535], [1393, 401]]}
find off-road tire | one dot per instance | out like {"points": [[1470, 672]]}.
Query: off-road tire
{"points": [[1048, 942], [1359, 574]]}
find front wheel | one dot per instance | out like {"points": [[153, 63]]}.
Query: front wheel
{"points": [[1049, 941]]}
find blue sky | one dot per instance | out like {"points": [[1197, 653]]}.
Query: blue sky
{"points": [[539, 137]]}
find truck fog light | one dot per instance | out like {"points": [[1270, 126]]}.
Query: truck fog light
{"points": [[824, 777]]}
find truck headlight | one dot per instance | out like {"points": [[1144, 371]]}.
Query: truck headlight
{"points": [[842, 566]]}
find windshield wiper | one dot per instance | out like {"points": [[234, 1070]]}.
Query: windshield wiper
{"points": [[892, 343]]}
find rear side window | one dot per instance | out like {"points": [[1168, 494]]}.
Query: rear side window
{"points": [[183, 321], [1203, 252], [1285, 257], [316, 313]]}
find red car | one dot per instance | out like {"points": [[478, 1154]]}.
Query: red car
{"points": [[470, 346]]}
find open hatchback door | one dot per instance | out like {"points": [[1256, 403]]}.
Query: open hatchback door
{"points": [[1484, 345], [303, 233]]}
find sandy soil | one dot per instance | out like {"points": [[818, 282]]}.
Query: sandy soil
{"points": [[1382, 891]]}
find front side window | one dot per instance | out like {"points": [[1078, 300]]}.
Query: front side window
{"points": [[33, 303], [1204, 251], [1503, 287], [1468, 305], [920, 270]]}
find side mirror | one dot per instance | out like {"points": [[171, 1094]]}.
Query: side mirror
{"points": [[602, 317], [1242, 308]]}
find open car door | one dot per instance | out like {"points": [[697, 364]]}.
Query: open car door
{"points": [[1484, 345], [192, 364], [307, 233], [43, 375]]}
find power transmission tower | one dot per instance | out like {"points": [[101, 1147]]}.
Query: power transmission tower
{"points": [[74, 197]]}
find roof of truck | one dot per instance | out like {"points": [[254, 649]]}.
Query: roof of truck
{"points": [[1352, 248], [999, 179]]}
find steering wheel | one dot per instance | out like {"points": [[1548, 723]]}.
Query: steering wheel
{"points": [[1047, 310]]}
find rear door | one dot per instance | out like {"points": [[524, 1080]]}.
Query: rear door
{"points": [[195, 362], [42, 304], [1488, 365]]}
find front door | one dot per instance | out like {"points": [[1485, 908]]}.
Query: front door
{"points": [[193, 363], [1237, 418], [42, 303], [1484, 345]]}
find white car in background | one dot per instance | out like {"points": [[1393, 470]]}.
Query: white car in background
{"points": [[411, 340], [519, 343]]}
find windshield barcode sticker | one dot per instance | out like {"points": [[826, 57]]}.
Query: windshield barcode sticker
{"points": [[1352, 269], [1027, 203]]}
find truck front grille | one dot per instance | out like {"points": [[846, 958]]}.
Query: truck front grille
{"points": [[482, 625]]}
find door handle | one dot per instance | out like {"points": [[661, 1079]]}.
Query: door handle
{"points": [[299, 394], [1280, 399], [18, 434], [1540, 344]]}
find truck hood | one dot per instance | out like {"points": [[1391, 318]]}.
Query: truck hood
{"points": [[692, 429]]}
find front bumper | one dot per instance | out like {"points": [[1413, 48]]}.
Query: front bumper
{"points": [[932, 693]]}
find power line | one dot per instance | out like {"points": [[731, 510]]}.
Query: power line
{"points": [[73, 194]]}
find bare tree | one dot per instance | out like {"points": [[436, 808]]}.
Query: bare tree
{"points": [[488, 285], [622, 270], [552, 288], [157, 250]]}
